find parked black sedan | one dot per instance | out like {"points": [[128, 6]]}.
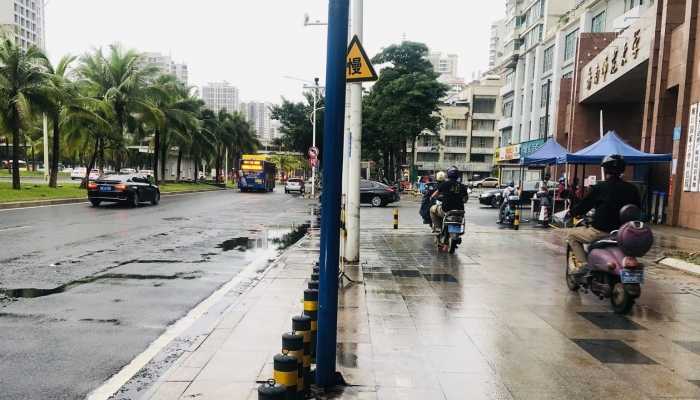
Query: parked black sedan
{"points": [[377, 194], [491, 198], [130, 189]]}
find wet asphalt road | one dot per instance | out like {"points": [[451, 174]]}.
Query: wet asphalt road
{"points": [[87, 289]]}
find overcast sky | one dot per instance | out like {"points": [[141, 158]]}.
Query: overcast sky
{"points": [[254, 44]]}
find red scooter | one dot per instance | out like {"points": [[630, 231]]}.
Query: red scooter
{"points": [[614, 270]]}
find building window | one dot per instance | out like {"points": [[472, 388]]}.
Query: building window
{"points": [[506, 136], [544, 97], [484, 124], [455, 124], [568, 75], [455, 141], [548, 59], [477, 157], [428, 141], [455, 157], [484, 105], [508, 109], [570, 45], [427, 157], [543, 128], [598, 23], [481, 142]]}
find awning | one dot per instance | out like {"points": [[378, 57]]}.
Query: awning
{"points": [[612, 144], [548, 154]]}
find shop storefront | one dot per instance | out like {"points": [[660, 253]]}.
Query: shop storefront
{"points": [[508, 159]]}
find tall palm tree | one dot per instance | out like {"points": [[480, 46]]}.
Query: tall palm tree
{"points": [[243, 138], [118, 79], [22, 80]]}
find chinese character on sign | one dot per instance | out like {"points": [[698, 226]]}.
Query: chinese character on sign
{"points": [[596, 77], [623, 60], [589, 80], [355, 66], [635, 44], [613, 62], [606, 66]]}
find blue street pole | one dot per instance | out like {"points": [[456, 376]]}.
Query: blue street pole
{"points": [[338, 13]]}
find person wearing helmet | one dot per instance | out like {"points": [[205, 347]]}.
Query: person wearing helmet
{"points": [[440, 176], [510, 190], [453, 195], [427, 200], [607, 198]]}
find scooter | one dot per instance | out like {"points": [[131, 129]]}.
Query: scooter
{"points": [[450, 235], [508, 213], [614, 270]]}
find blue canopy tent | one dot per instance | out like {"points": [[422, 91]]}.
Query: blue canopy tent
{"points": [[548, 154], [612, 144]]}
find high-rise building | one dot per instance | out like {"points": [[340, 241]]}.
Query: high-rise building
{"points": [[497, 33], [23, 20], [259, 116], [220, 95], [444, 64], [166, 65]]}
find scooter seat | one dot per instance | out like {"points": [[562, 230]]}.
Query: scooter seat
{"points": [[601, 244]]}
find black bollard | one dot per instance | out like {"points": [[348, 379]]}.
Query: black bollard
{"points": [[313, 285], [311, 310], [301, 324], [293, 344], [272, 391], [286, 373]]}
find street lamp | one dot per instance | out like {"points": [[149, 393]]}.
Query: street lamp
{"points": [[316, 89]]}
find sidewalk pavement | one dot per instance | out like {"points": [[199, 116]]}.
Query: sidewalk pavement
{"points": [[494, 321]]}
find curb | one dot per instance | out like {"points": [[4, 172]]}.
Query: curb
{"points": [[55, 202], [680, 265]]}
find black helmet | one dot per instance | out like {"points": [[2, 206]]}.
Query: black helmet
{"points": [[614, 164], [453, 173], [511, 184]]}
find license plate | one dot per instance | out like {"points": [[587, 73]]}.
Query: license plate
{"points": [[628, 276], [105, 188], [454, 228]]}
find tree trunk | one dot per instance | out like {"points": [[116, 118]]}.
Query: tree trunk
{"points": [[101, 159], [91, 164], [163, 160], [15, 160], [26, 153], [218, 165], [411, 165], [156, 154], [196, 170], [179, 163], [7, 154], [56, 150], [34, 159]]}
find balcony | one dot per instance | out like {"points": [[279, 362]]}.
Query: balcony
{"points": [[484, 133], [508, 88], [491, 116], [504, 123], [482, 150], [455, 149], [425, 149]]}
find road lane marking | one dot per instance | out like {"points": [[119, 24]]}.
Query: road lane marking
{"points": [[113, 384], [14, 228]]}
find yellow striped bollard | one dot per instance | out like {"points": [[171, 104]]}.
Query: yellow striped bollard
{"points": [[311, 310], [286, 373], [396, 218]]}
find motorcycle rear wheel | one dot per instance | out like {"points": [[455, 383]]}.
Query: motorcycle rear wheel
{"points": [[621, 301], [571, 281]]}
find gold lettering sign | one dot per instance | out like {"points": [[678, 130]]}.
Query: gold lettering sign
{"points": [[635, 44], [613, 62]]}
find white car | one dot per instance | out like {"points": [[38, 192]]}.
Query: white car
{"points": [[127, 171], [294, 185], [78, 173]]}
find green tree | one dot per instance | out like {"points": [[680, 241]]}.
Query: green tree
{"points": [[22, 81], [403, 104], [297, 123]]}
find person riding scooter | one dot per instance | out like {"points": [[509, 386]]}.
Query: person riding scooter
{"points": [[453, 195], [607, 198], [510, 190], [428, 201]]}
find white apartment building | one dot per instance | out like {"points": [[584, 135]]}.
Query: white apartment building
{"points": [[495, 45], [23, 20], [220, 95], [539, 49], [259, 117], [468, 137], [446, 66], [166, 65]]}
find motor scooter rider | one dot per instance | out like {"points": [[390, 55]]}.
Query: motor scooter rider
{"points": [[428, 201], [607, 198], [453, 195], [510, 190]]}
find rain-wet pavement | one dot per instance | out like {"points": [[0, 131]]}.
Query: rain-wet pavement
{"points": [[494, 321], [84, 290]]}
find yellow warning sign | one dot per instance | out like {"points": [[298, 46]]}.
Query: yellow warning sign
{"points": [[358, 67]]}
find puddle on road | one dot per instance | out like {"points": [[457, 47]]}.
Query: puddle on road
{"points": [[271, 238]]}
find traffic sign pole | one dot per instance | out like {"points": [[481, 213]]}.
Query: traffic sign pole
{"points": [[352, 213], [330, 214]]}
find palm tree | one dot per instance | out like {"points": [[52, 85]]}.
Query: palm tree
{"points": [[22, 80], [122, 82]]}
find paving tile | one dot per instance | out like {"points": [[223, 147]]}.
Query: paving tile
{"points": [[392, 393], [657, 381], [609, 320], [219, 390], [169, 390], [613, 351], [690, 346], [441, 278], [235, 366], [473, 387]]}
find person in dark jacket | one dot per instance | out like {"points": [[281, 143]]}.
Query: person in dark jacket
{"points": [[427, 201], [452, 193], [607, 198]]}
